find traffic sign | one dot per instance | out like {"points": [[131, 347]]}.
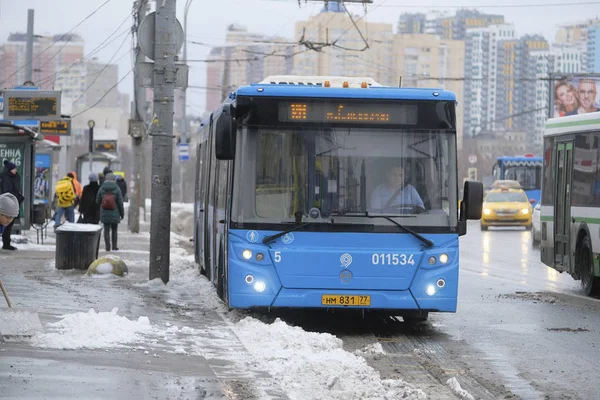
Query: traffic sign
{"points": [[184, 151], [472, 158], [146, 35]]}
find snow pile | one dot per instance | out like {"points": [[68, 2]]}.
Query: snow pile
{"points": [[186, 284], [94, 330], [314, 365], [458, 390], [69, 227], [371, 350], [182, 221]]}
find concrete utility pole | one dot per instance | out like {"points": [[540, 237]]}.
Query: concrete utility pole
{"points": [[137, 140], [165, 50], [29, 48]]}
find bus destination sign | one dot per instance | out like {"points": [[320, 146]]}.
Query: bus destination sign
{"points": [[61, 128], [32, 104]]}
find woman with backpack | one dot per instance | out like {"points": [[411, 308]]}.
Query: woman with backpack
{"points": [[110, 200]]}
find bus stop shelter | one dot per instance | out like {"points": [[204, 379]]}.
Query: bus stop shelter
{"points": [[100, 160], [18, 145]]}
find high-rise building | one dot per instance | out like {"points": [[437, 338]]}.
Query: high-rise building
{"points": [[569, 58], [593, 48], [482, 51], [99, 79], [245, 58], [501, 84], [50, 55], [468, 19], [411, 23], [447, 26], [423, 60], [341, 49]]}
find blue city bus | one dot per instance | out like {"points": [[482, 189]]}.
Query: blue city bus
{"points": [[291, 208], [526, 169]]}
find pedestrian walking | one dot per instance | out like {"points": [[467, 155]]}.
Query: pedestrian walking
{"points": [[9, 210], [65, 200], [112, 212], [123, 186], [88, 208], [10, 183]]}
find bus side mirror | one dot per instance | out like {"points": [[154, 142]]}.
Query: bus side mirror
{"points": [[472, 203], [225, 130], [471, 206]]}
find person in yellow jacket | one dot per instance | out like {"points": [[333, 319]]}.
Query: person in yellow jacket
{"points": [[65, 199]]}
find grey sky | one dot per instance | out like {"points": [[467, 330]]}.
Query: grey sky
{"points": [[208, 21]]}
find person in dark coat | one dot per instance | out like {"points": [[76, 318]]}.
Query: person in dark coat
{"points": [[101, 175], [88, 207], [11, 183], [123, 186], [110, 214]]}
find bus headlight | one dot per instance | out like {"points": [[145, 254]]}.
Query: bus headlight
{"points": [[260, 286], [487, 211], [247, 254], [430, 290], [444, 258], [432, 260], [525, 211]]}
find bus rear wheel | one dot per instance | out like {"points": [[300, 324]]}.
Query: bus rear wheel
{"points": [[589, 283]]}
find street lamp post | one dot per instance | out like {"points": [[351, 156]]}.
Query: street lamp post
{"points": [[184, 122]]}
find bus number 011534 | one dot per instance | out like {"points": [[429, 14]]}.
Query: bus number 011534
{"points": [[392, 259]]}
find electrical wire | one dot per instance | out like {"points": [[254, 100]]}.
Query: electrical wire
{"points": [[92, 53], [102, 70], [103, 96], [56, 41]]}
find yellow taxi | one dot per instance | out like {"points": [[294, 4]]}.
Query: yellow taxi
{"points": [[506, 204]]}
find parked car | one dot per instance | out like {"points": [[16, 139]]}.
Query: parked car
{"points": [[536, 231]]}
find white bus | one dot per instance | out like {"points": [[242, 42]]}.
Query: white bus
{"points": [[570, 213]]}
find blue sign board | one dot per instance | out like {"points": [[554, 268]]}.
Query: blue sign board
{"points": [[184, 151]]}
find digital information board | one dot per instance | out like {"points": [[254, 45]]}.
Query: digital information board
{"points": [[42, 105], [61, 128], [107, 146]]}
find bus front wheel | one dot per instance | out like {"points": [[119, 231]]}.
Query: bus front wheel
{"points": [[589, 283]]}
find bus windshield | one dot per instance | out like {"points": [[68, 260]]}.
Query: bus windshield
{"points": [[528, 176], [327, 172]]}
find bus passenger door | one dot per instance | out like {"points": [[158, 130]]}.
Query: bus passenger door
{"points": [[562, 207]]}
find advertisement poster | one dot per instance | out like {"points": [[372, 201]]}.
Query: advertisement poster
{"points": [[14, 153], [576, 94], [41, 184]]}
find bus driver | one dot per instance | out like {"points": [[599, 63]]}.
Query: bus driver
{"points": [[394, 194]]}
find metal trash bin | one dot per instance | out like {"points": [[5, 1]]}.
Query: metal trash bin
{"points": [[39, 214], [77, 245]]}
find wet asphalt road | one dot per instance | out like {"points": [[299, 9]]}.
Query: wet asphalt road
{"points": [[522, 330], [529, 327]]}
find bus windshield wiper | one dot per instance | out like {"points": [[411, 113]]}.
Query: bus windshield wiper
{"points": [[350, 214], [276, 236]]}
